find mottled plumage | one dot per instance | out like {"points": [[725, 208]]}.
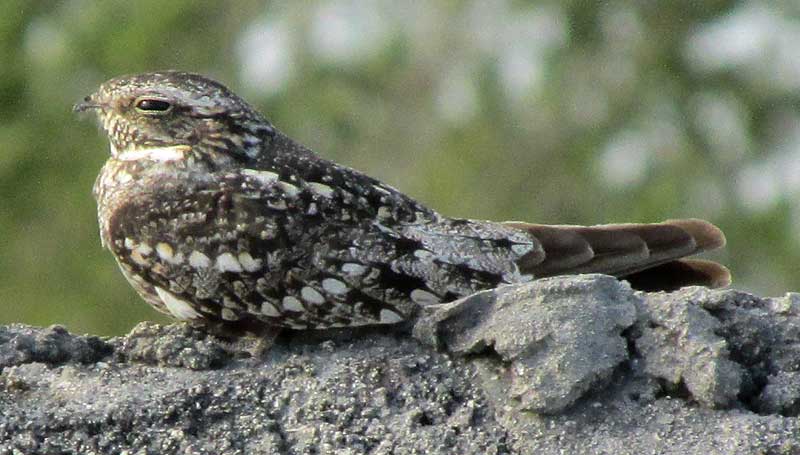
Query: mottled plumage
{"points": [[217, 217]]}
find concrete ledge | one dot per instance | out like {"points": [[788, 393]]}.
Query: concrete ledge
{"points": [[563, 365]]}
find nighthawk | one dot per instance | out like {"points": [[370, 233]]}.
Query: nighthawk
{"points": [[217, 217]]}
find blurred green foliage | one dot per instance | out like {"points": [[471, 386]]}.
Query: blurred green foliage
{"points": [[553, 112]]}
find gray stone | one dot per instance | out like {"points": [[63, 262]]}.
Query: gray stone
{"points": [[177, 345], [555, 338], [666, 383], [781, 395], [380, 394], [678, 342], [54, 345]]}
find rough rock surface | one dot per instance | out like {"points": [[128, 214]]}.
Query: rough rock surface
{"points": [[563, 365], [554, 340]]}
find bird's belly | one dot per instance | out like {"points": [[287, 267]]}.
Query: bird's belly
{"points": [[206, 258]]}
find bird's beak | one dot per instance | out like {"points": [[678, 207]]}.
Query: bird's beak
{"points": [[83, 106], [86, 104]]}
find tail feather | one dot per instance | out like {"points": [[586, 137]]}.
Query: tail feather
{"points": [[641, 252], [682, 272], [706, 235], [563, 247]]}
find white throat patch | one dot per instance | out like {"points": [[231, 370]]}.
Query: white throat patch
{"points": [[172, 153]]}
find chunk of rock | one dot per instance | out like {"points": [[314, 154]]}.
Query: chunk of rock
{"points": [[679, 344], [21, 344], [607, 370], [553, 339], [781, 395], [179, 345]]}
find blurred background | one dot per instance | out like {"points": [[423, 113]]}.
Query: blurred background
{"points": [[545, 111]]}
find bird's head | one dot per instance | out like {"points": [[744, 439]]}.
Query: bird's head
{"points": [[171, 109]]}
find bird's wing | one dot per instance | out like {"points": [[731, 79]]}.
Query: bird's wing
{"points": [[252, 246]]}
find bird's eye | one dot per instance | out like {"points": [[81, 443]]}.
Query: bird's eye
{"points": [[153, 106]]}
